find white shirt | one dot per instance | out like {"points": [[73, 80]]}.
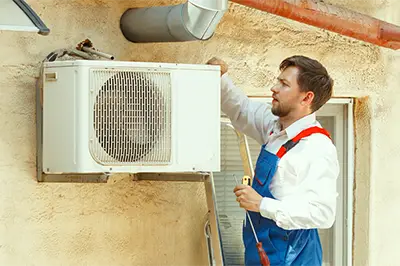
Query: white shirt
{"points": [[304, 185]]}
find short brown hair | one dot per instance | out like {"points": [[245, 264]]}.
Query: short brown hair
{"points": [[313, 76]]}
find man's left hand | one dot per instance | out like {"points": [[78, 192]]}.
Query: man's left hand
{"points": [[248, 198]]}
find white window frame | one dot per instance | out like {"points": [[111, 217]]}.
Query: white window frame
{"points": [[340, 108]]}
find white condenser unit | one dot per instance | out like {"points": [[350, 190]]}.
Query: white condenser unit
{"points": [[130, 117]]}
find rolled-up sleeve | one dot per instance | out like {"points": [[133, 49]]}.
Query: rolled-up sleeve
{"points": [[314, 206], [251, 117]]}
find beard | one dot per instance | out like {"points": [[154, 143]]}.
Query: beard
{"points": [[280, 110]]}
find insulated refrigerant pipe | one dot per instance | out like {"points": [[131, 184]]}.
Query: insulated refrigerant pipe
{"points": [[333, 18]]}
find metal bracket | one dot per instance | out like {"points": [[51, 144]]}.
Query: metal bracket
{"points": [[184, 177], [211, 227], [75, 178]]}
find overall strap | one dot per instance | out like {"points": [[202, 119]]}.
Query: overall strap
{"points": [[305, 133]]}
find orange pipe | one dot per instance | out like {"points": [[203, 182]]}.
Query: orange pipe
{"points": [[332, 18]]}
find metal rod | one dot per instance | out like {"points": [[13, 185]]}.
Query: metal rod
{"points": [[93, 51], [216, 242], [209, 243]]}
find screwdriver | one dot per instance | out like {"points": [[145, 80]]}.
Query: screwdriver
{"points": [[261, 252]]}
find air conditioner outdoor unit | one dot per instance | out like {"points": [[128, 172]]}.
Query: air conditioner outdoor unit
{"points": [[130, 117]]}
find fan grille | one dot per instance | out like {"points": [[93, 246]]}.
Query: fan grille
{"points": [[131, 117]]}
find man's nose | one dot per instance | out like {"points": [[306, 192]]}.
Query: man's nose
{"points": [[274, 88]]}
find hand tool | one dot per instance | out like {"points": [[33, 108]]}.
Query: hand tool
{"points": [[261, 252]]}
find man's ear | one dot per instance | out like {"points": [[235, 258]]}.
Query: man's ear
{"points": [[308, 98]]}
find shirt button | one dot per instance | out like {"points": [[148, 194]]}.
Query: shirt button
{"points": [[285, 238]]}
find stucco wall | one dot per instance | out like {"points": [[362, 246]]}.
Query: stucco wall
{"points": [[125, 223]]}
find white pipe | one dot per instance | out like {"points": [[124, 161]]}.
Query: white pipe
{"points": [[193, 20]]}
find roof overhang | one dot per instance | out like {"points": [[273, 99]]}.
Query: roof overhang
{"points": [[17, 15]]}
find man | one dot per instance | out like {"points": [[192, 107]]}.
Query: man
{"points": [[293, 192]]}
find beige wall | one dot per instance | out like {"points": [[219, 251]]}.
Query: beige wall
{"points": [[125, 223]]}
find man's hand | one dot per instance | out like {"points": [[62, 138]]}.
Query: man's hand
{"points": [[248, 198], [218, 62]]}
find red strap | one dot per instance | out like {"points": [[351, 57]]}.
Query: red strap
{"points": [[281, 152], [309, 131], [305, 133]]}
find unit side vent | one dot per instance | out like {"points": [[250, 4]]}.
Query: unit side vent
{"points": [[131, 117]]}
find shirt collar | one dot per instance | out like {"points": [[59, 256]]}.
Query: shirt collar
{"points": [[298, 126]]}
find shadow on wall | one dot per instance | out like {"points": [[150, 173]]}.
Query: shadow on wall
{"points": [[361, 212]]}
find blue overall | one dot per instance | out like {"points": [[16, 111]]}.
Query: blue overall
{"points": [[283, 247]]}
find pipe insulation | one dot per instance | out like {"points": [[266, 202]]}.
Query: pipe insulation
{"points": [[333, 18], [193, 20]]}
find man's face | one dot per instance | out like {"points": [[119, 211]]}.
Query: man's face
{"points": [[287, 96]]}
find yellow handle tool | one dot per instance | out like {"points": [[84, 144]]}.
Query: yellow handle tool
{"points": [[246, 180]]}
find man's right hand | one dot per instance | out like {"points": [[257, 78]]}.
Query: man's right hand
{"points": [[219, 62]]}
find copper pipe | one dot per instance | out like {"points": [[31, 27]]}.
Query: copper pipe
{"points": [[333, 18]]}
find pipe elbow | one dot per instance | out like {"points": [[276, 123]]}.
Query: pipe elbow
{"points": [[201, 17]]}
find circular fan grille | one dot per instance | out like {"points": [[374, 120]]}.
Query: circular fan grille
{"points": [[130, 117]]}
